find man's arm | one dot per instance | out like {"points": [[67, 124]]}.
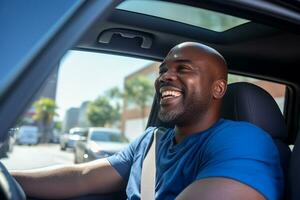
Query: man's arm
{"points": [[219, 188], [69, 181]]}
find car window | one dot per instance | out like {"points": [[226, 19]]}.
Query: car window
{"points": [[81, 133], [85, 90], [105, 137], [78, 133]]}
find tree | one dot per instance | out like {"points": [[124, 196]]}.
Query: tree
{"points": [[140, 91], [116, 97], [58, 125], [44, 114], [114, 93], [101, 112]]}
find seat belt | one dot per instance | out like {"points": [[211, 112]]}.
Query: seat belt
{"points": [[149, 172], [149, 168]]}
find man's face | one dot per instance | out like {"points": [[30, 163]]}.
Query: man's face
{"points": [[183, 86]]}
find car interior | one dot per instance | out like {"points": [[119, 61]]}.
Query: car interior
{"points": [[266, 46]]}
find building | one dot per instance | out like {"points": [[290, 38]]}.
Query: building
{"points": [[76, 117], [70, 119], [133, 119], [82, 116]]}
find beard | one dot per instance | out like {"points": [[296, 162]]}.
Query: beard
{"points": [[170, 117], [184, 113]]}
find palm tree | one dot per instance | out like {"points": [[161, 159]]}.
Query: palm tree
{"points": [[44, 114]]}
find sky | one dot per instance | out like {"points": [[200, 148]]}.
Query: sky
{"points": [[84, 76]]}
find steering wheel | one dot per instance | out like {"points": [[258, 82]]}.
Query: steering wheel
{"points": [[9, 187]]}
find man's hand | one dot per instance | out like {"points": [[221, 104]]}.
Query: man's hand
{"points": [[219, 188]]}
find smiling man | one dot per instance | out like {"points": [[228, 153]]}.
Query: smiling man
{"points": [[203, 157]]}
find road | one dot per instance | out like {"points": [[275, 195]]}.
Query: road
{"points": [[30, 157]]}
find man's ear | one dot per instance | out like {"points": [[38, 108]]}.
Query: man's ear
{"points": [[219, 88]]}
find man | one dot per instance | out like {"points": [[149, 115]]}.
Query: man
{"points": [[203, 157]]}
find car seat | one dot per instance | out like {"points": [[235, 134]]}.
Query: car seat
{"points": [[247, 102]]}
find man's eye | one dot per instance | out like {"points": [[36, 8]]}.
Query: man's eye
{"points": [[161, 71], [183, 68]]}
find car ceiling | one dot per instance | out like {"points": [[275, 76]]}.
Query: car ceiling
{"points": [[251, 48]]}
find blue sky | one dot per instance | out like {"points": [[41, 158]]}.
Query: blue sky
{"points": [[85, 75]]}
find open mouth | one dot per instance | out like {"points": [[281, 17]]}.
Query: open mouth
{"points": [[170, 94], [167, 95]]}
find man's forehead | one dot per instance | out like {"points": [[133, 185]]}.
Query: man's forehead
{"points": [[176, 59], [182, 55]]}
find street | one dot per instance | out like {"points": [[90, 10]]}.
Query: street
{"points": [[43, 155]]}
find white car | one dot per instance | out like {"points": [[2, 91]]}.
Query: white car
{"points": [[68, 140], [99, 143]]}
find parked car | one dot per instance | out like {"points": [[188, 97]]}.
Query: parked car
{"points": [[27, 135], [55, 137], [68, 140], [100, 143], [265, 45], [8, 145]]}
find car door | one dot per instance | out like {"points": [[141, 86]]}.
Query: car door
{"points": [[34, 37]]}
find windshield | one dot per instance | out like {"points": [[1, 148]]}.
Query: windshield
{"points": [[106, 137], [81, 133]]}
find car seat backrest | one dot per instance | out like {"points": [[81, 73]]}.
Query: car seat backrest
{"points": [[247, 102]]}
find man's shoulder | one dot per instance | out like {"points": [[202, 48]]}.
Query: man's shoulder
{"points": [[242, 128], [237, 139], [240, 132]]}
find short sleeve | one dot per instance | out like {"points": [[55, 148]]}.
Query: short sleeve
{"points": [[247, 154], [123, 160]]}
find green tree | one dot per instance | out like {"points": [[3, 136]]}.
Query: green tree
{"points": [[100, 112], [139, 91], [58, 125], [45, 110], [114, 93], [116, 97]]}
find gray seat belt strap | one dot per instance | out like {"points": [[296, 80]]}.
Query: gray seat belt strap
{"points": [[149, 171]]}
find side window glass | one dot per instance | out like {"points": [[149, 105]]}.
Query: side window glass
{"points": [[276, 90], [90, 99]]}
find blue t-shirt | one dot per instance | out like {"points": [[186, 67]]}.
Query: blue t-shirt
{"points": [[234, 150]]}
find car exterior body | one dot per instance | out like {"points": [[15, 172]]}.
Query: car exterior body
{"points": [[100, 143], [27, 135], [8, 144], [68, 140], [267, 47]]}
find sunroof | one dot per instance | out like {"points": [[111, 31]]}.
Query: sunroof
{"points": [[182, 13]]}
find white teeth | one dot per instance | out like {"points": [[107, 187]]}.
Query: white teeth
{"points": [[170, 93]]}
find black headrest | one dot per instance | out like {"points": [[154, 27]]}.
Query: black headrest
{"points": [[248, 102]]}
